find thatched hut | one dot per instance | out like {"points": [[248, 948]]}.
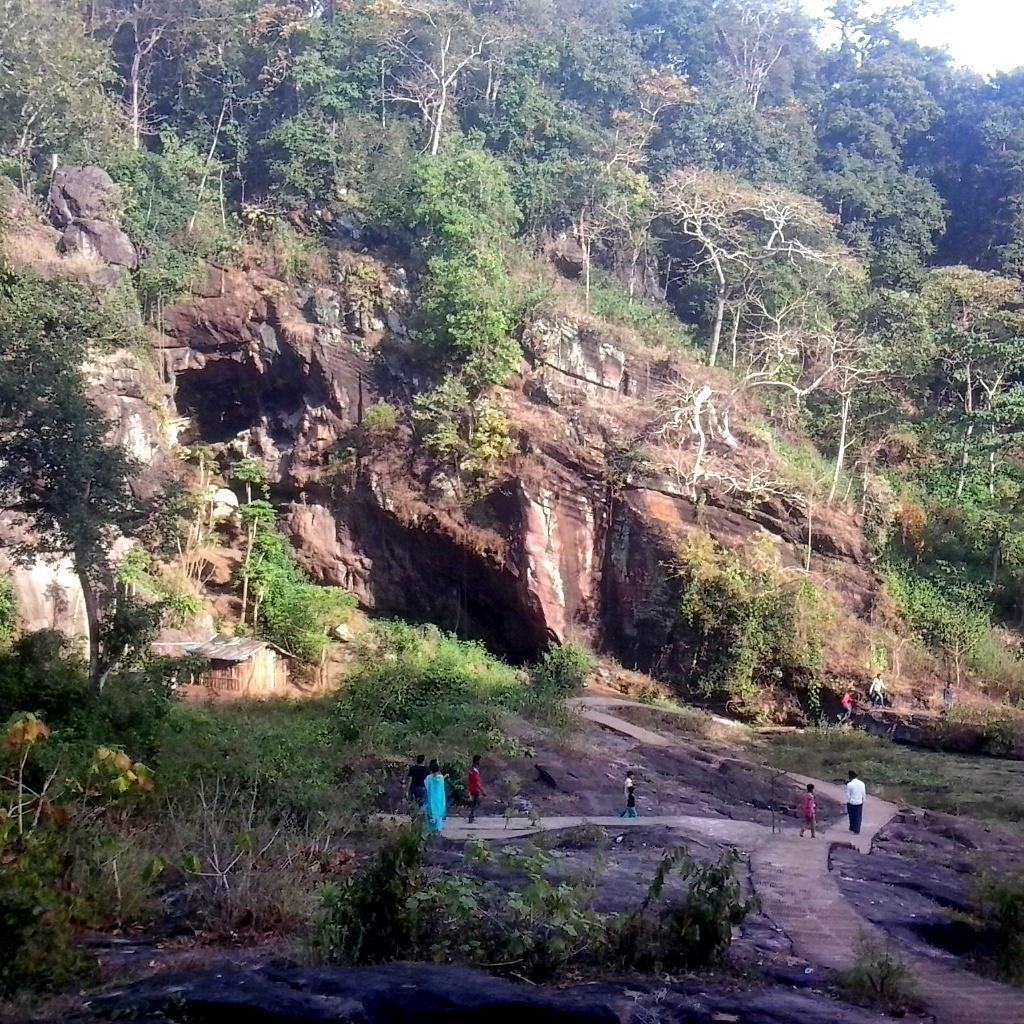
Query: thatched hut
{"points": [[242, 667]]}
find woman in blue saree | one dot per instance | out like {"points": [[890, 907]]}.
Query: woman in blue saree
{"points": [[437, 804]]}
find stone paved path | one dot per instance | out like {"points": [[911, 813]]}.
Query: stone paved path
{"points": [[792, 877]]}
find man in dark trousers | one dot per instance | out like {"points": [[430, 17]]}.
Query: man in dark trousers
{"points": [[475, 786], [418, 773], [855, 795]]}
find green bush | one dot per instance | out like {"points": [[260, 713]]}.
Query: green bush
{"points": [[53, 826], [410, 682], [754, 627], [673, 932], [288, 608], [160, 193], [460, 200], [1001, 911], [654, 322], [380, 420], [953, 619], [880, 977], [284, 751], [393, 909], [466, 309], [36, 918], [8, 614], [562, 670], [371, 918]]}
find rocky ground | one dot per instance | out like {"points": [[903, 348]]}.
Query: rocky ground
{"points": [[920, 884], [693, 791]]}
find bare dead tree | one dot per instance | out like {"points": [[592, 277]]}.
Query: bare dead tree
{"points": [[754, 42], [434, 43], [735, 228]]}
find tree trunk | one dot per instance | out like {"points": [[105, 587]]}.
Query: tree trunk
{"points": [[435, 132], [136, 102], [844, 424], [735, 335], [586, 272], [716, 330], [965, 460], [810, 533], [92, 618], [245, 569], [699, 401], [632, 273]]}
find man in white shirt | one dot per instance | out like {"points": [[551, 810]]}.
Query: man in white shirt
{"points": [[877, 692], [855, 794]]}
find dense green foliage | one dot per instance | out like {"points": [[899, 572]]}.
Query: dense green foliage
{"points": [[841, 224], [288, 609], [59, 471], [753, 627], [413, 685], [395, 908], [1001, 914]]}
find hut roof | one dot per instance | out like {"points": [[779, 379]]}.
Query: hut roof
{"points": [[233, 648]]}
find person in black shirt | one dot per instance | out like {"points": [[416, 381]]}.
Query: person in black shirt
{"points": [[418, 773]]}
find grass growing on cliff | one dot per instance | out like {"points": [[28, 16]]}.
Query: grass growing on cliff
{"points": [[978, 787]]}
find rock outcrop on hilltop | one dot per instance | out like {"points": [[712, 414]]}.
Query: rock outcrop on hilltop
{"points": [[572, 537], [557, 543]]}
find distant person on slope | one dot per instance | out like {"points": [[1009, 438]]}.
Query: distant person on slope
{"points": [[847, 705], [876, 693], [418, 773], [808, 811], [475, 786], [948, 697], [855, 795], [629, 791], [437, 803]]}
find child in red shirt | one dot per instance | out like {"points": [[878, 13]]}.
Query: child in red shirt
{"points": [[808, 811], [475, 786]]}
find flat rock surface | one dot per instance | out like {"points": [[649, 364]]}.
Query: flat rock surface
{"points": [[425, 994]]}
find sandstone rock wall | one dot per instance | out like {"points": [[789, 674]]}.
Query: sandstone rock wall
{"points": [[574, 537]]}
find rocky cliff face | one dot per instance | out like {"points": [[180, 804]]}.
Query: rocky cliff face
{"points": [[571, 537], [559, 543]]}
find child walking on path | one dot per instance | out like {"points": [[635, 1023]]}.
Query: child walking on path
{"points": [[475, 786], [808, 811], [629, 788]]}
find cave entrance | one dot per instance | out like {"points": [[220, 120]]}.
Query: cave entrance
{"points": [[221, 399]]}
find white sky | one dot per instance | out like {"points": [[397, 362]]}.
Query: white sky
{"points": [[987, 35]]}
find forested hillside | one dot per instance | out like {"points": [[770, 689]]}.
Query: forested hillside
{"points": [[836, 231]]}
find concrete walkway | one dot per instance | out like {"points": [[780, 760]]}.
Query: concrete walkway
{"points": [[792, 877], [744, 834]]}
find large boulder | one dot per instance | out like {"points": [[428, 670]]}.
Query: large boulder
{"points": [[82, 193], [84, 203]]}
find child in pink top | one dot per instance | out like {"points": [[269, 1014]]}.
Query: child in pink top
{"points": [[808, 811]]}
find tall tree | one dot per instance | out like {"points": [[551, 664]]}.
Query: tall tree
{"points": [[976, 321], [59, 475], [52, 81]]}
